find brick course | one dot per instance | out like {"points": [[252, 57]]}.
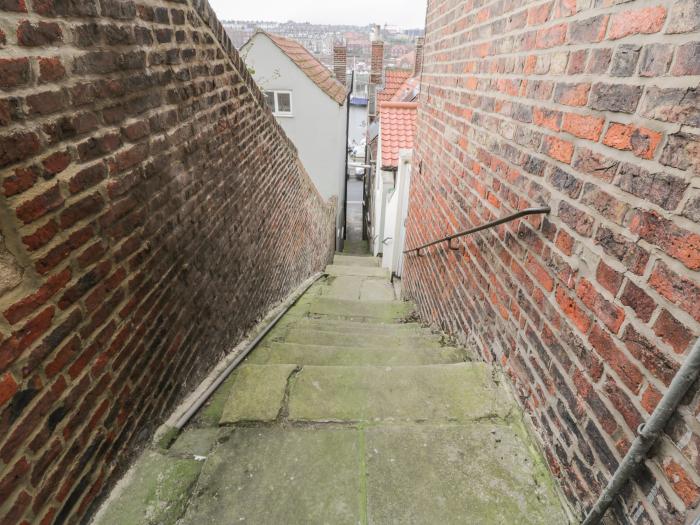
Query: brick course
{"points": [[591, 108], [152, 211]]}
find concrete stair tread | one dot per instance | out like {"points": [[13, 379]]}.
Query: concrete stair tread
{"points": [[324, 355], [376, 311], [356, 260], [453, 392], [359, 271]]}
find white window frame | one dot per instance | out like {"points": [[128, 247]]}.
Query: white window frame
{"points": [[275, 111]]}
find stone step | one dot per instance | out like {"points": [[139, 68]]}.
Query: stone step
{"points": [[356, 260], [455, 392], [374, 311], [356, 248], [354, 327], [483, 473], [359, 271], [359, 288], [400, 339], [257, 393], [274, 476], [320, 355]]}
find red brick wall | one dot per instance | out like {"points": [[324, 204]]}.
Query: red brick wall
{"points": [[152, 210], [592, 107]]}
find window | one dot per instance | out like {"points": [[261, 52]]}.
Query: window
{"points": [[280, 102]]}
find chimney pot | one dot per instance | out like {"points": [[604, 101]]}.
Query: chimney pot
{"points": [[340, 63]]}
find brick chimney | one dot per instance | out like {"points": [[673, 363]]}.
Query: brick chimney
{"points": [[377, 66], [418, 66], [340, 62]]}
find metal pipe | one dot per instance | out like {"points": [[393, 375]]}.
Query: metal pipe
{"points": [[192, 410], [497, 222], [649, 432]]}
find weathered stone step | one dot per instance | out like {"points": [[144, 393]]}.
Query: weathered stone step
{"points": [[355, 260], [319, 355], [257, 393], [358, 339], [375, 311], [360, 288], [456, 392], [272, 476], [480, 473], [354, 327], [360, 271]]}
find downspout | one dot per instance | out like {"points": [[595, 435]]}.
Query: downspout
{"points": [[347, 140], [649, 433]]}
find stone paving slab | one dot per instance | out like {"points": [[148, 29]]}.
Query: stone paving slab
{"points": [[320, 355], [377, 311], [360, 271], [356, 260], [156, 492], [257, 393], [457, 392], [274, 476], [194, 442], [475, 474], [310, 337]]}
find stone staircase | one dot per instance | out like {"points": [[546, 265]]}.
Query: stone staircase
{"points": [[348, 413]]}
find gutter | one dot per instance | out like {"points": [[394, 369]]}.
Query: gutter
{"points": [[648, 434]]}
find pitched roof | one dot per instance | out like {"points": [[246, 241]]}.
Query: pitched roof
{"points": [[408, 92], [393, 80], [398, 130], [312, 68]]}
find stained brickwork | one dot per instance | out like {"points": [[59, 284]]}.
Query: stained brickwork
{"points": [[152, 210], [592, 107]]}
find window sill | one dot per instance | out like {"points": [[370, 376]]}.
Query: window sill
{"points": [[283, 115]]}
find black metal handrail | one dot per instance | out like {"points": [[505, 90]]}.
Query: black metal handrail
{"points": [[497, 222]]}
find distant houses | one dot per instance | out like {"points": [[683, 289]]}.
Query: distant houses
{"points": [[311, 106]]}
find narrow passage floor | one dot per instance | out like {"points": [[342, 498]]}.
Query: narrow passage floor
{"points": [[347, 413]]}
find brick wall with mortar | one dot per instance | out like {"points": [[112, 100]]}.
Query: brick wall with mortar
{"points": [[592, 107], [152, 210]]}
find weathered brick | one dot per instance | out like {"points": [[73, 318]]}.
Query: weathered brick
{"points": [[615, 97], [682, 151], [687, 60], [682, 244], [673, 332], [655, 60], [635, 21], [576, 219], [662, 189], [589, 30], [681, 105], [14, 72], [640, 141], [609, 278], [572, 94], [634, 257], [637, 299], [51, 69], [676, 289], [624, 61], [558, 149], [684, 17], [40, 205], [40, 34], [583, 126]]}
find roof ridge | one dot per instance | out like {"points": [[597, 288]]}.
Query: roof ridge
{"points": [[398, 105], [306, 62]]}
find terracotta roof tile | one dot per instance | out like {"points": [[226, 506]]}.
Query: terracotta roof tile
{"points": [[398, 130], [317, 72], [393, 80], [408, 92]]}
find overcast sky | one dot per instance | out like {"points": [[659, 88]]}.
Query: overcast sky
{"points": [[403, 13]]}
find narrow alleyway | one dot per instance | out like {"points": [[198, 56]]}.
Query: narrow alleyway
{"points": [[347, 413]]}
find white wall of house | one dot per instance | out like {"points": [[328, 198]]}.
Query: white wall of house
{"points": [[383, 184], [317, 126], [396, 214]]}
